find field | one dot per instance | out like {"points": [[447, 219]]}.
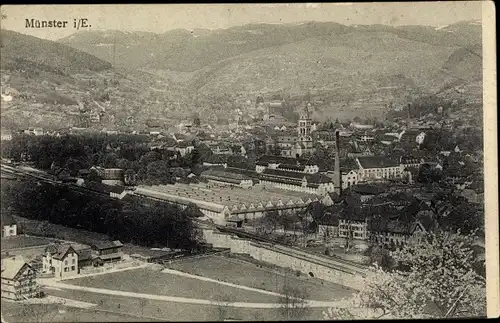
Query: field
{"points": [[22, 241], [248, 274], [151, 310], [16, 312], [155, 282]]}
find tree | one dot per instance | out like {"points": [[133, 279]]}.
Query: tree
{"points": [[196, 120], [435, 278], [381, 257], [222, 303], [269, 222], [293, 303], [143, 303]]}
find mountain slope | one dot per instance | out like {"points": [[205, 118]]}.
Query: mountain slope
{"points": [[20, 50], [188, 51], [51, 85]]}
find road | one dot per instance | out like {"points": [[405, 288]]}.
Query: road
{"points": [[185, 300]]}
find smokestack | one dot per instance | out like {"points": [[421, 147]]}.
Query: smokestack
{"points": [[409, 116], [337, 180]]}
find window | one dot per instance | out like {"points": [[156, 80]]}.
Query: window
{"points": [[11, 231], [73, 261], [65, 262], [72, 268], [65, 269]]}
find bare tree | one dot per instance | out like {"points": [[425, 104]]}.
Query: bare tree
{"points": [[222, 303], [294, 305], [143, 303]]}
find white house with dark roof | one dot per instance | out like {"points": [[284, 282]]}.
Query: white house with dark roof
{"points": [[9, 226], [60, 260], [378, 167]]}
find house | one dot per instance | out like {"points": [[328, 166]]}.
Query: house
{"points": [[183, 148], [420, 138], [377, 167], [85, 256], [294, 181], [366, 138], [112, 176], [18, 279], [6, 135], [108, 251], [227, 177], [60, 260], [38, 132], [9, 226], [474, 193], [355, 228], [396, 233], [328, 226]]}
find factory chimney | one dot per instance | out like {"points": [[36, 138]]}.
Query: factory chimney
{"points": [[337, 180], [409, 117]]}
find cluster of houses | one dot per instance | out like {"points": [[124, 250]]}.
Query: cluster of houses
{"points": [[65, 260], [59, 260], [371, 214]]}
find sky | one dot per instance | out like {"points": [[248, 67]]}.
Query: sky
{"points": [[160, 18]]}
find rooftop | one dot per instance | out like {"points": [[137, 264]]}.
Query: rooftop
{"points": [[108, 244], [377, 162], [11, 266], [215, 197]]}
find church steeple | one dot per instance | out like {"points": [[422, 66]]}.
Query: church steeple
{"points": [[305, 114]]}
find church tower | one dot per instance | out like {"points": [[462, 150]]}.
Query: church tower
{"points": [[304, 140]]}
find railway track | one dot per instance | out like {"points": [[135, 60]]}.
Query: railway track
{"points": [[335, 263]]}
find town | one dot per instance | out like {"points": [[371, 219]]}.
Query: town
{"points": [[238, 162], [317, 198]]}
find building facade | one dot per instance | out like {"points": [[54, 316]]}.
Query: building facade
{"points": [[9, 226], [60, 260], [18, 279], [372, 168]]}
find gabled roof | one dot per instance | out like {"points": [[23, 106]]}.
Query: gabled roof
{"points": [[224, 174], [367, 189], [318, 178], [59, 251], [84, 254], [283, 173], [377, 162], [11, 267], [334, 196], [101, 245]]}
